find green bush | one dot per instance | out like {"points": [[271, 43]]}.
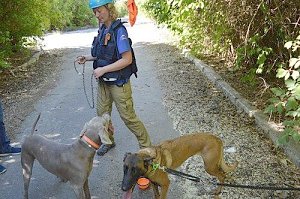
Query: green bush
{"points": [[70, 13], [82, 15], [24, 19], [5, 49], [121, 7], [286, 100], [19, 20], [248, 34]]}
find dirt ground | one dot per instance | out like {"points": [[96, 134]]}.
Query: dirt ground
{"points": [[22, 85]]}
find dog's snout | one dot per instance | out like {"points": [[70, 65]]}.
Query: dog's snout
{"points": [[126, 187]]}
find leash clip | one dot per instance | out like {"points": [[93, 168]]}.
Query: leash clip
{"points": [[163, 168]]}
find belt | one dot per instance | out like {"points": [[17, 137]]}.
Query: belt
{"points": [[109, 79], [114, 81]]}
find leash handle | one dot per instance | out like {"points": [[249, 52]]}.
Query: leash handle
{"points": [[92, 104], [79, 73]]}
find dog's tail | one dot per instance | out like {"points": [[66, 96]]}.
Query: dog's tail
{"points": [[34, 125]]}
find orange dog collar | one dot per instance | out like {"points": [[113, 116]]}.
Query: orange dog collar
{"points": [[91, 142]]}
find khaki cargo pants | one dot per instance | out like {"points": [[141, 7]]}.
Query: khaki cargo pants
{"points": [[122, 97]]}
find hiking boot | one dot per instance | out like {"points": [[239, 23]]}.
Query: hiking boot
{"points": [[2, 169], [105, 148], [10, 151]]}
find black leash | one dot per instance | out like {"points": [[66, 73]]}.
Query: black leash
{"points": [[92, 104], [197, 179]]}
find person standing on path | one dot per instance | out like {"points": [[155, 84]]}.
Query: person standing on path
{"points": [[112, 59], [5, 148]]}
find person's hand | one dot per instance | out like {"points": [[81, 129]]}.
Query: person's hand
{"points": [[80, 59], [98, 72]]}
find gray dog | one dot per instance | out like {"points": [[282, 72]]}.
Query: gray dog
{"points": [[70, 162]]}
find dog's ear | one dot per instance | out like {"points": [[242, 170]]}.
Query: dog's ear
{"points": [[148, 151], [125, 156], [103, 135]]}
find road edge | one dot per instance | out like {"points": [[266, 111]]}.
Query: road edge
{"points": [[34, 58], [291, 149]]}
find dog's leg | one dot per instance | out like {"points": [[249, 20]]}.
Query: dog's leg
{"points": [[221, 177], [164, 191], [78, 189], [27, 163], [155, 190], [164, 183], [86, 189], [214, 164], [228, 168], [216, 171]]}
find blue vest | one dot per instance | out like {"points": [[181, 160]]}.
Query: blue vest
{"points": [[108, 53]]}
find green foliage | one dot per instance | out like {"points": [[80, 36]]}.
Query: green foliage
{"points": [[5, 50], [23, 19], [60, 13], [290, 131], [250, 77], [121, 7], [157, 9], [201, 25], [19, 20], [287, 100], [70, 13], [249, 34]]}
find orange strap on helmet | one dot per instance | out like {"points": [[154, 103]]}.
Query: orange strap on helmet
{"points": [[132, 11]]}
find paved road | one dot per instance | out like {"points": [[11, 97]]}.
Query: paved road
{"points": [[65, 110]]}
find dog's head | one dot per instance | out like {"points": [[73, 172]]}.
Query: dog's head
{"points": [[135, 165], [96, 127]]}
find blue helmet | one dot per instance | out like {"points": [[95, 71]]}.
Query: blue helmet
{"points": [[98, 3]]}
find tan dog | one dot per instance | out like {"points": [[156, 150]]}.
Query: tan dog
{"points": [[171, 154]]}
